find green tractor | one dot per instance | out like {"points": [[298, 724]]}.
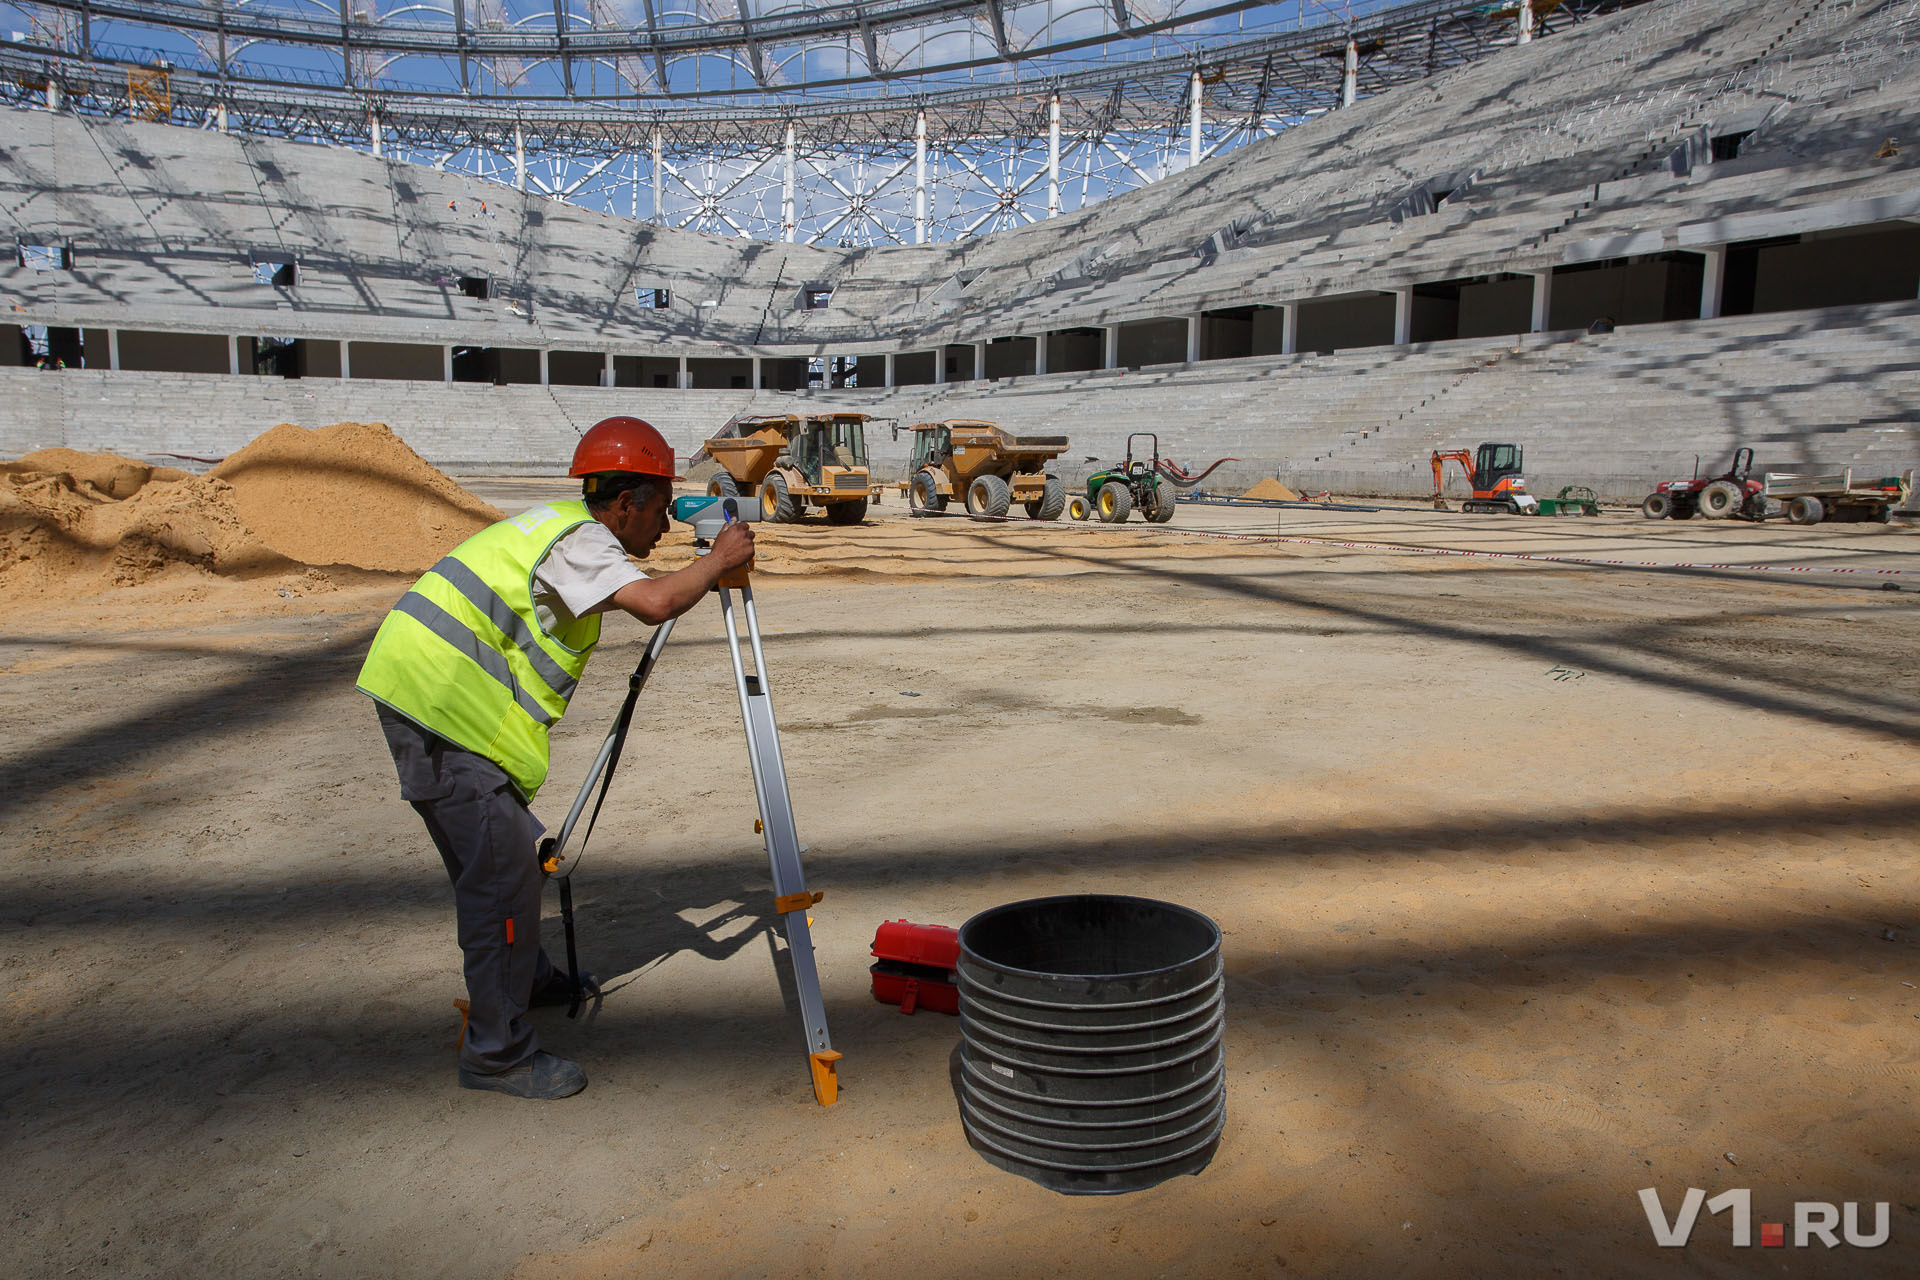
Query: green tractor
{"points": [[1115, 493]]}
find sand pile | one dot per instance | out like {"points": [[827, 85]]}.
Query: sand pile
{"points": [[351, 494], [1271, 490], [73, 524], [111, 475], [60, 535]]}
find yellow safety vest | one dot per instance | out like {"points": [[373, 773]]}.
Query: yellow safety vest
{"points": [[464, 656]]}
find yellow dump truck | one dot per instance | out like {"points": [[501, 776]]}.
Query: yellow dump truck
{"points": [[792, 461], [987, 466]]}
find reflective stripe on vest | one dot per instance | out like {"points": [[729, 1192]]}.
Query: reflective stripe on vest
{"points": [[463, 653]]}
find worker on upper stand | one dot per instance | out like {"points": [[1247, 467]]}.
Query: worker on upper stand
{"points": [[472, 668]]}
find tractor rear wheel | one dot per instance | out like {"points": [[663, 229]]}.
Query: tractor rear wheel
{"points": [[923, 495], [988, 498], [723, 485], [847, 512], [1658, 506], [1078, 508], [1806, 510], [1721, 499], [1114, 503], [776, 504], [1163, 501], [1052, 502]]}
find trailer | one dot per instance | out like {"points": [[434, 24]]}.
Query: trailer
{"points": [[1813, 496]]}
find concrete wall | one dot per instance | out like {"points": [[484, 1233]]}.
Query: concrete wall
{"points": [[1646, 291], [162, 352], [394, 360], [1838, 270], [1358, 321]]}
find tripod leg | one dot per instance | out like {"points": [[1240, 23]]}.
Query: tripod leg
{"points": [[791, 897]]}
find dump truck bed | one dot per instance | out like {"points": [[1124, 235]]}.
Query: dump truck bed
{"points": [[1837, 484]]}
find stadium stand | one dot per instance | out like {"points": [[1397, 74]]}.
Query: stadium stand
{"points": [[1712, 177]]}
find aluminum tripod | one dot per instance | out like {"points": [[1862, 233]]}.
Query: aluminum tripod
{"points": [[791, 899]]}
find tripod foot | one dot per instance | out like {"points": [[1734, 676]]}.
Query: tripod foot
{"points": [[826, 1081]]}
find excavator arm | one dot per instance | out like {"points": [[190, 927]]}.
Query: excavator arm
{"points": [[1440, 459]]}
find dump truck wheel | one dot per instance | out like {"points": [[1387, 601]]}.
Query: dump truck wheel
{"points": [[776, 504], [1113, 503], [922, 497], [1806, 510], [988, 498], [1078, 508], [847, 512], [1163, 501], [1721, 499], [1052, 502], [723, 485]]}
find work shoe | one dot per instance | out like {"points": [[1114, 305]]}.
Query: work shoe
{"points": [[541, 1076], [559, 989]]}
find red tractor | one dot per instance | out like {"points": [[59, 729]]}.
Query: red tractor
{"points": [[1733, 493]]}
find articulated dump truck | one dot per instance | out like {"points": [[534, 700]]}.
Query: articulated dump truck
{"points": [[986, 465], [793, 461]]}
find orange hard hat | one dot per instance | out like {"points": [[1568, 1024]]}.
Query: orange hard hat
{"points": [[623, 444]]}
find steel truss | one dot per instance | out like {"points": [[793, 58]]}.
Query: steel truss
{"points": [[846, 171]]}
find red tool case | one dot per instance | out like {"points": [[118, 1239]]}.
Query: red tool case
{"points": [[914, 964]]}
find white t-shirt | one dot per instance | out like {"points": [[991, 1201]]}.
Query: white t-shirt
{"points": [[579, 571]]}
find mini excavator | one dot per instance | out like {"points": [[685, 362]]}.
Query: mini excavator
{"points": [[1494, 472]]}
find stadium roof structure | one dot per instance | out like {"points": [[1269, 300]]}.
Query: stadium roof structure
{"points": [[874, 122]]}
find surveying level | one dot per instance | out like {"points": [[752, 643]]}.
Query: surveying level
{"points": [[791, 898]]}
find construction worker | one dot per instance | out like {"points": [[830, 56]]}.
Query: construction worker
{"points": [[470, 670]]}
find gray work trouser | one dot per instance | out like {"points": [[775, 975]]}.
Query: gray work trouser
{"points": [[486, 838]]}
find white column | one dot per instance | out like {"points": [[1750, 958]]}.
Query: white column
{"points": [[220, 117], [920, 185], [1526, 21], [940, 364], [786, 193], [756, 373], [373, 130], [979, 362], [1713, 282], [659, 182], [887, 373], [1193, 338], [113, 350], [606, 370], [233, 353], [543, 367], [686, 378], [1402, 317], [1040, 353], [1193, 122], [1542, 300], [1053, 157], [446, 362], [1289, 328], [1350, 82], [519, 158], [1110, 346], [346, 366], [53, 94]]}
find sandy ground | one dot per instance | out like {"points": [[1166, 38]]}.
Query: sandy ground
{"points": [[1540, 884]]}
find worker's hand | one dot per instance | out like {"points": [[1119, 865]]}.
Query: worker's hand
{"points": [[733, 546]]}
